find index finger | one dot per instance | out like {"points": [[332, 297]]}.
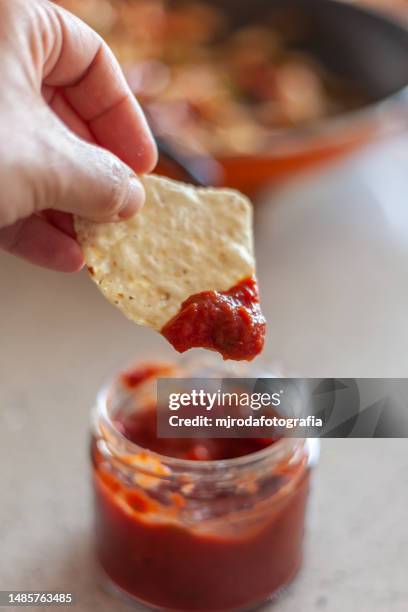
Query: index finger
{"points": [[93, 84]]}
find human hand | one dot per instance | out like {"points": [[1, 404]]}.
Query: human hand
{"points": [[63, 97]]}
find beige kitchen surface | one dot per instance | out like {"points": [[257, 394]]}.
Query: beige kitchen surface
{"points": [[332, 262], [59, 338]]}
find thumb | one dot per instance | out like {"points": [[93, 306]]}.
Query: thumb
{"points": [[89, 181]]}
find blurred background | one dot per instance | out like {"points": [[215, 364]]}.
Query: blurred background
{"points": [[302, 104], [248, 94]]}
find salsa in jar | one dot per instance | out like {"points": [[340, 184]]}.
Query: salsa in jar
{"points": [[193, 524]]}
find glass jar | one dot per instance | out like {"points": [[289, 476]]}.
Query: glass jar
{"points": [[181, 534]]}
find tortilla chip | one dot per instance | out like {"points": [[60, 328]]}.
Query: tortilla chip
{"points": [[184, 241]]}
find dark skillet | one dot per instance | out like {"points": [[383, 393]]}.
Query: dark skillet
{"points": [[354, 43]]}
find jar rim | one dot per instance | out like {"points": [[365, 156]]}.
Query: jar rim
{"points": [[281, 448]]}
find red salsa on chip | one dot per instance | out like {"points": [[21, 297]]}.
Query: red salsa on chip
{"points": [[229, 322]]}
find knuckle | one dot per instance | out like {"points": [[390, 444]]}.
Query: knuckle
{"points": [[20, 192], [117, 185], [48, 183]]}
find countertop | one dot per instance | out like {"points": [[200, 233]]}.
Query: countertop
{"points": [[335, 292]]}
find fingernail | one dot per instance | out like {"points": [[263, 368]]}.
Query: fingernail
{"points": [[134, 200]]}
